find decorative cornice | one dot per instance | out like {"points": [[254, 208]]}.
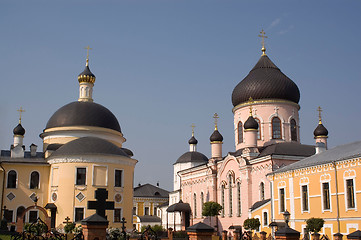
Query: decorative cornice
{"points": [[119, 160], [265, 101]]}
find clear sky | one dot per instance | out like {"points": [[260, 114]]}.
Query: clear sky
{"points": [[162, 65]]}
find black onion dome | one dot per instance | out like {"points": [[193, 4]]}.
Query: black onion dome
{"points": [[89, 145], [193, 140], [320, 131], [19, 130], [192, 157], [216, 136], [265, 81], [86, 75], [84, 114], [251, 123]]}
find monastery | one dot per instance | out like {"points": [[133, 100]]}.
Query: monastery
{"points": [[82, 151]]}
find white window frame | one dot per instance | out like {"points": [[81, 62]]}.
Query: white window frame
{"points": [[322, 195], [84, 213], [121, 214], [17, 178], [30, 179], [268, 218], [86, 175], [28, 214], [308, 198], [279, 199], [52, 176], [354, 193], [264, 191], [122, 178], [93, 178]]}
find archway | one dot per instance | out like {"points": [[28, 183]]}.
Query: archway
{"points": [[20, 224]]}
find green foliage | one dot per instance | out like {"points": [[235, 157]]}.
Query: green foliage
{"points": [[251, 223], [155, 228], [211, 209], [69, 227], [180, 234], [314, 224], [5, 237]]}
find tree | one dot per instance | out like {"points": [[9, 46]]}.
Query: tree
{"points": [[211, 209], [251, 223], [314, 224]]}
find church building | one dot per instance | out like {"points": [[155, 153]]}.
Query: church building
{"points": [[82, 151], [266, 130]]}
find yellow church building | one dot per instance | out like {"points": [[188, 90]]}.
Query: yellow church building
{"points": [[82, 151]]}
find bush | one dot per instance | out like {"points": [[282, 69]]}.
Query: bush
{"points": [[251, 223], [69, 227], [155, 228], [211, 209], [314, 224]]}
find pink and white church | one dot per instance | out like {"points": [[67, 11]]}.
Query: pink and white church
{"points": [[266, 130]]}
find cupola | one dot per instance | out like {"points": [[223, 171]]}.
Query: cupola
{"points": [[216, 139], [193, 141], [86, 82], [320, 133]]}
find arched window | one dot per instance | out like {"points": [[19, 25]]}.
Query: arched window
{"points": [[276, 128], [240, 132], [19, 212], [259, 128], [202, 202], [195, 205], [222, 199], [239, 199], [293, 130], [230, 180], [34, 180], [12, 177], [261, 191]]}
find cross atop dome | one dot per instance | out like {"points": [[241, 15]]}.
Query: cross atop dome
{"points": [[21, 110], [87, 55], [215, 116], [319, 109], [263, 36]]}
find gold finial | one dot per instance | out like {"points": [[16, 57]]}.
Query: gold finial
{"points": [[263, 36], [21, 110], [193, 126], [215, 116], [319, 109], [87, 55], [250, 101]]}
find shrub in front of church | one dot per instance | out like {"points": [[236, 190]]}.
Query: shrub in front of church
{"points": [[314, 224], [69, 227], [211, 209], [251, 224], [155, 228]]}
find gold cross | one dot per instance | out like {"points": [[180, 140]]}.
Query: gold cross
{"points": [[215, 116], [263, 36], [193, 126], [319, 109], [250, 101], [87, 54], [21, 110]]}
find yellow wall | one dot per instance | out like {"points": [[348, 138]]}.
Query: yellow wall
{"points": [[350, 219], [22, 191], [259, 213]]}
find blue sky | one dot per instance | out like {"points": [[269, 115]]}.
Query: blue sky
{"points": [[163, 65]]}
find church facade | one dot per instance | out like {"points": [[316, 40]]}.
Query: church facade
{"points": [[82, 151], [266, 129]]}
